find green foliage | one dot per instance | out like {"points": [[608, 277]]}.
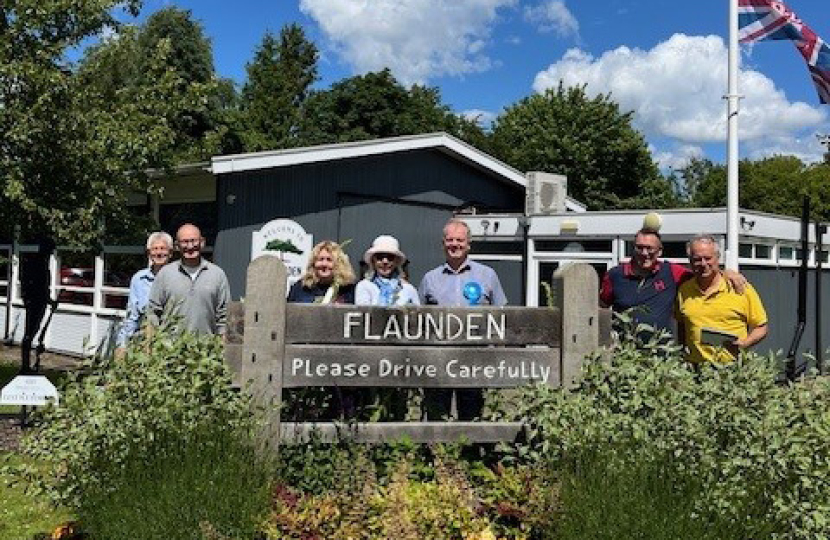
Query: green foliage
{"points": [[21, 515], [645, 499], [758, 451], [776, 184], [376, 105], [278, 83], [410, 492], [70, 153], [207, 484], [284, 246], [170, 387], [590, 140], [117, 68]]}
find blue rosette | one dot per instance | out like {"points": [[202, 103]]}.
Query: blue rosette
{"points": [[472, 292]]}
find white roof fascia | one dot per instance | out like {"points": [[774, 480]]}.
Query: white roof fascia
{"points": [[331, 152], [677, 223]]}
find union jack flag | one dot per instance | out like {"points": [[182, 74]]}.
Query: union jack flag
{"points": [[769, 19]]}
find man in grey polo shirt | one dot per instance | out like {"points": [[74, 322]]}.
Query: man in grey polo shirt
{"points": [[458, 282], [193, 288]]}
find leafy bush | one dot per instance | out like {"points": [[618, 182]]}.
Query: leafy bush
{"points": [[407, 491], [170, 387], [212, 484], [758, 451]]}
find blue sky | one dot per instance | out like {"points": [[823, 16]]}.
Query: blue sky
{"points": [[666, 61]]}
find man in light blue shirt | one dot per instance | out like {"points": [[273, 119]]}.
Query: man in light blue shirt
{"points": [[458, 282], [159, 247]]}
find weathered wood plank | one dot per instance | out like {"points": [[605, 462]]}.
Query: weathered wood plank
{"points": [[576, 286], [310, 323], [418, 432], [605, 320], [263, 348], [430, 367], [236, 323]]}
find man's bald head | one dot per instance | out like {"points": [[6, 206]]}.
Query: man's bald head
{"points": [[188, 230], [190, 242]]}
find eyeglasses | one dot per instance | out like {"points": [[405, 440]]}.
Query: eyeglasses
{"points": [[384, 256], [189, 242], [646, 249]]}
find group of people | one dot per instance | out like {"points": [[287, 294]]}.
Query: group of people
{"points": [[197, 290], [192, 288], [703, 301], [717, 312]]}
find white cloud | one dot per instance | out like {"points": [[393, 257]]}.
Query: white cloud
{"points": [[676, 157], [676, 90], [416, 39], [806, 148], [483, 118], [553, 16]]}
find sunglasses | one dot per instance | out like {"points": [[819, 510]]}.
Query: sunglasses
{"points": [[384, 256]]}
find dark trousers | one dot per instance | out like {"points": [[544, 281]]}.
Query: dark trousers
{"points": [[35, 312], [469, 403]]}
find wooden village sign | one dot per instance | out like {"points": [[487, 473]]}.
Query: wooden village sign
{"points": [[274, 345]]}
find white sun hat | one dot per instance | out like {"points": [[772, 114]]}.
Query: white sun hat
{"points": [[385, 244]]}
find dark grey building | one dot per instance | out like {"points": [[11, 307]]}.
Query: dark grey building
{"points": [[405, 186]]}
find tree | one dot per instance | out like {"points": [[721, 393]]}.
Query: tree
{"points": [[606, 160], [68, 156], [375, 105], [117, 66], [278, 83], [775, 184]]}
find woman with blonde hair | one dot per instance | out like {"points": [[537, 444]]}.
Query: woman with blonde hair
{"points": [[328, 278]]}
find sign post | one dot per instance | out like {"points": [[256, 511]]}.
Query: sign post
{"points": [[282, 345], [29, 390]]}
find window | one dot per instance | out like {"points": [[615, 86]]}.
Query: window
{"points": [[786, 253], [76, 278], [671, 250], [763, 251], [496, 248], [745, 250], [118, 270], [5, 270], [573, 246]]}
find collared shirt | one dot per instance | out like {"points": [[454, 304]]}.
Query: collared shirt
{"points": [[650, 297], [367, 293], [201, 302], [140, 285], [722, 309], [444, 286]]}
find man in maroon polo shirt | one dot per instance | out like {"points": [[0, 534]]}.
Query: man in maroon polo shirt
{"points": [[648, 286]]}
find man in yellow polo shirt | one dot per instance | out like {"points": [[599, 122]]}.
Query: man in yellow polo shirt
{"points": [[709, 311]]}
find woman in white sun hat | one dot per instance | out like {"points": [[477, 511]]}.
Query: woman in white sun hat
{"points": [[383, 284]]}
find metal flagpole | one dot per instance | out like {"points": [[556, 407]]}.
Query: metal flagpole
{"points": [[733, 100]]}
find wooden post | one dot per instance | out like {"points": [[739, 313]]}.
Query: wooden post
{"points": [[264, 343], [577, 287]]}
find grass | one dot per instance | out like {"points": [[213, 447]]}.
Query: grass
{"points": [[22, 516], [642, 500], [180, 490]]}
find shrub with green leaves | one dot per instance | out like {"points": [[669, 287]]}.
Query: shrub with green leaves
{"points": [[170, 386], [759, 451]]}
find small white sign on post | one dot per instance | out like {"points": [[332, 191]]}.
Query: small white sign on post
{"points": [[287, 240], [29, 390]]}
